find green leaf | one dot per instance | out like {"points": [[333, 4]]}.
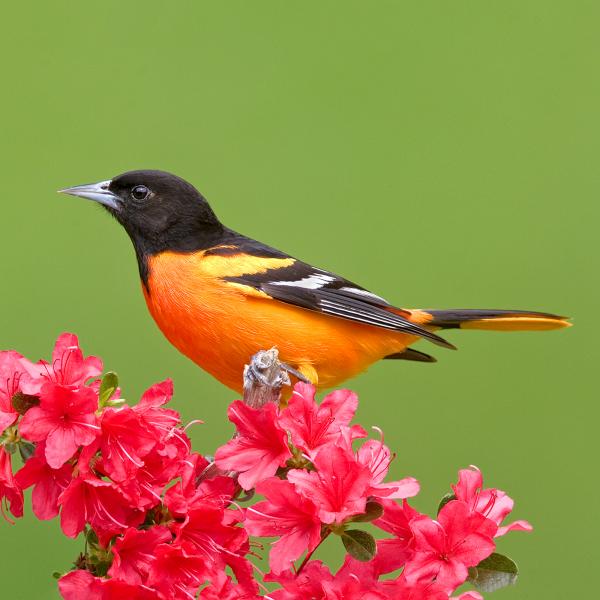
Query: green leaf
{"points": [[373, 511], [445, 499], [359, 544], [108, 386], [26, 450], [10, 447], [91, 538], [493, 573], [23, 402]]}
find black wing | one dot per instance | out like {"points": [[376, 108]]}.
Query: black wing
{"points": [[314, 289]]}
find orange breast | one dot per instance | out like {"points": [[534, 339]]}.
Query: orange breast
{"points": [[220, 325]]}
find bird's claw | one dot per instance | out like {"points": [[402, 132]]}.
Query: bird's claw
{"points": [[299, 376]]}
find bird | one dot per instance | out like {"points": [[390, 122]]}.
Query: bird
{"points": [[219, 296]]}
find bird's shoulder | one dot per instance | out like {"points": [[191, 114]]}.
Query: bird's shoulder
{"points": [[245, 261]]}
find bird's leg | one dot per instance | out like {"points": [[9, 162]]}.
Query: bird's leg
{"points": [[297, 374]]}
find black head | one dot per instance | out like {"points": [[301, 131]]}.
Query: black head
{"points": [[159, 211]]}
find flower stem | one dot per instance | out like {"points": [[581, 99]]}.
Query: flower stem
{"points": [[309, 555]]}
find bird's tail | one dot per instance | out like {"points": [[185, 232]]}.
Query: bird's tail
{"points": [[497, 320]]}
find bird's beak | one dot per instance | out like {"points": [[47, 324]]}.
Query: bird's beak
{"points": [[98, 192]]}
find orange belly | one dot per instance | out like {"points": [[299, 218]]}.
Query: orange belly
{"points": [[220, 326]]}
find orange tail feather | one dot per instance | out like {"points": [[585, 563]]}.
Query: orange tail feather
{"points": [[496, 320]]}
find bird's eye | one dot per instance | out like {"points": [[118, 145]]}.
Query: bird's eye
{"points": [[140, 192]]}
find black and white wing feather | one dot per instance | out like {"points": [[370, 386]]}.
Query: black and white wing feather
{"points": [[314, 289]]}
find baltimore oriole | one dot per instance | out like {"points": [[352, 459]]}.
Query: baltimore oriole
{"points": [[219, 296]]}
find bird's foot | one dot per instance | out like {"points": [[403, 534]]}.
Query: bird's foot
{"points": [[297, 374]]}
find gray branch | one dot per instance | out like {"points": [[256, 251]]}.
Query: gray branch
{"points": [[264, 377]]}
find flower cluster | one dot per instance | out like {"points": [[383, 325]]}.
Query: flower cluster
{"points": [[163, 522]]}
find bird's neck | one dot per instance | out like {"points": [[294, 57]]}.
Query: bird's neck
{"points": [[183, 239]]}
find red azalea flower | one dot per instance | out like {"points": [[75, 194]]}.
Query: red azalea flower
{"points": [[376, 456], [212, 533], [9, 489], [401, 589], [316, 582], [223, 588], [193, 469], [13, 368], [145, 489], [162, 422], [338, 487], [350, 588], [48, 483], [177, 571], [260, 448], [306, 584], [285, 515], [65, 419], [134, 552], [392, 553], [444, 549], [68, 367], [123, 442], [185, 496], [490, 502], [313, 426], [368, 574], [82, 585], [99, 503], [207, 529]]}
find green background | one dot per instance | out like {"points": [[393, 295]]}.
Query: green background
{"points": [[439, 153]]}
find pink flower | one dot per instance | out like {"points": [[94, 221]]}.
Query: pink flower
{"points": [[162, 422], [145, 489], [123, 442], [48, 483], [285, 515], [312, 426], [134, 552], [152, 401], [65, 419], [177, 572], [187, 494], [260, 448], [307, 584], [68, 368], [168, 520], [223, 588], [9, 488], [97, 502], [316, 582], [82, 585], [212, 533], [338, 487], [402, 589], [444, 549], [392, 553], [12, 369], [376, 456], [490, 502]]}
